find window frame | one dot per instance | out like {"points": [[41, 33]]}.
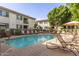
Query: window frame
{"points": [[0, 12]]}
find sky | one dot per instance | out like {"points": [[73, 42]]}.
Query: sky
{"points": [[36, 10]]}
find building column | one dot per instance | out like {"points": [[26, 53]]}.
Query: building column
{"points": [[22, 27]]}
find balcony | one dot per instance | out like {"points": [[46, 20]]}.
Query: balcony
{"points": [[25, 21]]}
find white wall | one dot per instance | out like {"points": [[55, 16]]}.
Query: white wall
{"points": [[19, 22], [44, 24], [4, 19], [31, 23], [12, 23]]}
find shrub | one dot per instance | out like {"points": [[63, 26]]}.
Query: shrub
{"points": [[18, 32], [15, 31], [2, 33], [12, 31]]}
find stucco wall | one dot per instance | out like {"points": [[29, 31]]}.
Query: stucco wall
{"points": [[31, 23], [12, 23], [4, 19], [44, 24]]}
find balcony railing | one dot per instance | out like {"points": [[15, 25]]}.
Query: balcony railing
{"points": [[25, 21]]}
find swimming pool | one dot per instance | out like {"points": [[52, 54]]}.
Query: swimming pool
{"points": [[28, 40]]}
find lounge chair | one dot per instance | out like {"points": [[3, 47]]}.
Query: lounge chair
{"points": [[64, 45]]}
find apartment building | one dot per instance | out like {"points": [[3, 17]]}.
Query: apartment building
{"points": [[15, 20], [44, 24]]}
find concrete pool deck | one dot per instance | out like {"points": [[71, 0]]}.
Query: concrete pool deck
{"points": [[34, 50]]}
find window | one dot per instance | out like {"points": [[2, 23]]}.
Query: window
{"points": [[40, 22], [19, 26], [0, 12], [7, 14], [19, 17], [45, 22], [4, 13], [25, 21]]}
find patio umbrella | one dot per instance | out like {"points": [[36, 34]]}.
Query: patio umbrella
{"points": [[73, 23]]}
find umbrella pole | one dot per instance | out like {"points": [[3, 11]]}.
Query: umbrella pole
{"points": [[66, 29], [76, 30]]}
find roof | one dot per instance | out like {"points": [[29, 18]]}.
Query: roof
{"points": [[16, 12], [44, 20]]}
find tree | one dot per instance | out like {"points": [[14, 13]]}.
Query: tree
{"points": [[74, 8], [39, 28], [59, 16], [35, 26]]}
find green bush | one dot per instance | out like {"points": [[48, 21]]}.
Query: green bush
{"points": [[15, 31], [12, 31], [18, 32], [2, 33]]}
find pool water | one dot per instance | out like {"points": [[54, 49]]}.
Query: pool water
{"points": [[28, 40]]}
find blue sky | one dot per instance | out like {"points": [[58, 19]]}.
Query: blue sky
{"points": [[37, 10]]}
